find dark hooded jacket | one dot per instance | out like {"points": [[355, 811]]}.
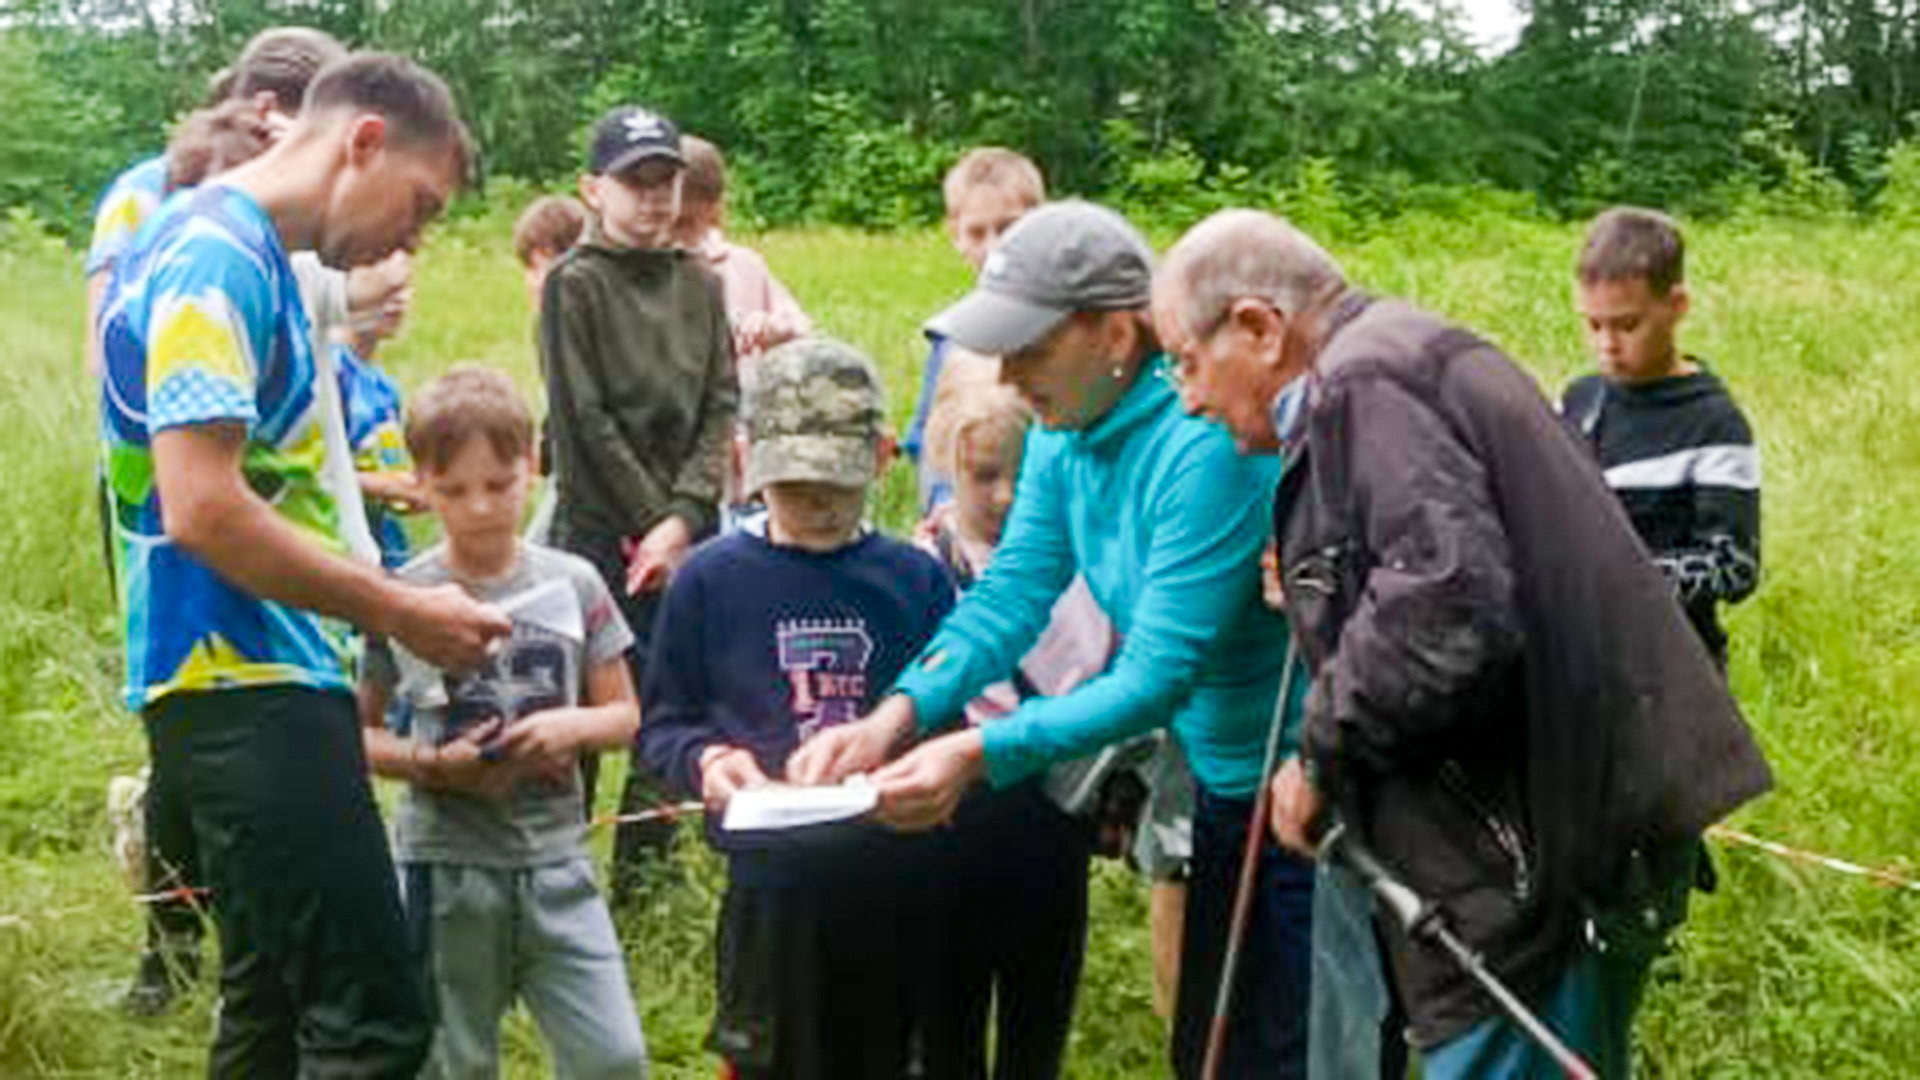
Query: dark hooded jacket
{"points": [[638, 360], [1508, 705]]}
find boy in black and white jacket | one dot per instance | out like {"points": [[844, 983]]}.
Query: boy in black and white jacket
{"points": [[1672, 443]]}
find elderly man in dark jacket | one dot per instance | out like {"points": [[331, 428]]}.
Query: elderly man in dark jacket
{"points": [[1508, 705]]}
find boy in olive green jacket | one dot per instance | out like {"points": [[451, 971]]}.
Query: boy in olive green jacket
{"points": [[638, 359]]}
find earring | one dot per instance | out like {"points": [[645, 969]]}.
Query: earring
{"points": [[1119, 372]]}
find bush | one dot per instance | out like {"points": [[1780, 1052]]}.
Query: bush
{"points": [[871, 174], [1777, 179], [1899, 199], [55, 143], [22, 232], [1314, 202]]}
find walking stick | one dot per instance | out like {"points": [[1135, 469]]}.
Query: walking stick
{"points": [[1249, 865], [1426, 922]]}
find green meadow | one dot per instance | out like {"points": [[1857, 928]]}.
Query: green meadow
{"points": [[1784, 972]]}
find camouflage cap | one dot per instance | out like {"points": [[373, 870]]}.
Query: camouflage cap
{"points": [[814, 411]]}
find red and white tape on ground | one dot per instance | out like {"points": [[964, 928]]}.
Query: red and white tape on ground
{"points": [[658, 813], [670, 812], [1883, 876]]}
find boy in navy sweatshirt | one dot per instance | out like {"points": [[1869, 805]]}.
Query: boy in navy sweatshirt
{"points": [[1674, 446], [766, 637]]}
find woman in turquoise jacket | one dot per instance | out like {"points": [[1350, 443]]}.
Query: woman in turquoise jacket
{"points": [[1166, 522]]}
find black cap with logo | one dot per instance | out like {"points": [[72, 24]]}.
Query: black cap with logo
{"points": [[629, 135]]}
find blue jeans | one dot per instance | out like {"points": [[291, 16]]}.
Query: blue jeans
{"points": [[1591, 1009], [1267, 1029], [1354, 1032]]}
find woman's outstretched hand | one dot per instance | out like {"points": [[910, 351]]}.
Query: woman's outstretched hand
{"points": [[862, 746], [922, 789]]}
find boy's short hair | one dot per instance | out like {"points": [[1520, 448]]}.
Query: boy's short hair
{"points": [[418, 107], [283, 61], [466, 403], [972, 400], [215, 139], [706, 170], [551, 225], [996, 167], [1627, 243]]}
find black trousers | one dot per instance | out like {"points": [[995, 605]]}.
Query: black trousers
{"points": [[316, 978], [174, 926], [818, 977], [1267, 1028], [1009, 936], [633, 843]]}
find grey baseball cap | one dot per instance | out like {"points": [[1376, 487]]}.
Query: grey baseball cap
{"points": [[814, 411], [1060, 258]]}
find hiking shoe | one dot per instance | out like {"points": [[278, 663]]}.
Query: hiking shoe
{"points": [[160, 979]]}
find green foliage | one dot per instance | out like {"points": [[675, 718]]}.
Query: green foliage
{"points": [[53, 139], [1314, 202], [840, 111], [1626, 101], [1898, 201], [1175, 187], [22, 232], [864, 173], [1778, 179]]}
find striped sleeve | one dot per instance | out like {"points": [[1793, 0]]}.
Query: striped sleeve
{"points": [[1722, 561]]}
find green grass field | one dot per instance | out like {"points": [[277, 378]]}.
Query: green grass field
{"points": [[1785, 972]]}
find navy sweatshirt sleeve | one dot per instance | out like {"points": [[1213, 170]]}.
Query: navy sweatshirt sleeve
{"points": [[674, 725]]}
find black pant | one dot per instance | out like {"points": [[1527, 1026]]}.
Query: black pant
{"points": [[316, 978], [1009, 934], [173, 926], [1267, 1027], [818, 976], [173, 862], [633, 843]]}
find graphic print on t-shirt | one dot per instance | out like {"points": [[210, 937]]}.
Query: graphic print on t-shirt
{"points": [[825, 661], [529, 675], [526, 677]]}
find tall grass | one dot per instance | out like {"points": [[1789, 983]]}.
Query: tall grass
{"points": [[1784, 972]]}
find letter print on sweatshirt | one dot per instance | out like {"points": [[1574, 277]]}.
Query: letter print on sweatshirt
{"points": [[825, 661]]}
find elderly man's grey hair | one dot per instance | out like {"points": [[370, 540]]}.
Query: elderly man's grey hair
{"points": [[1237, 254]]}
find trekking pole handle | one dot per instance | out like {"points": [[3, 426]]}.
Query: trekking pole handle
{"points": [[1405, 904]]}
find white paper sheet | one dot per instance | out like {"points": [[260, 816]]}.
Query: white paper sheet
{"points": [[552, 606], [791, 806]]}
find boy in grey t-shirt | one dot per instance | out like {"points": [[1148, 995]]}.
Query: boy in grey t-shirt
{"points": [[490, 833]]}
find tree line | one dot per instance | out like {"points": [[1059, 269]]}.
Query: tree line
{"points": [[847, 111]]}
